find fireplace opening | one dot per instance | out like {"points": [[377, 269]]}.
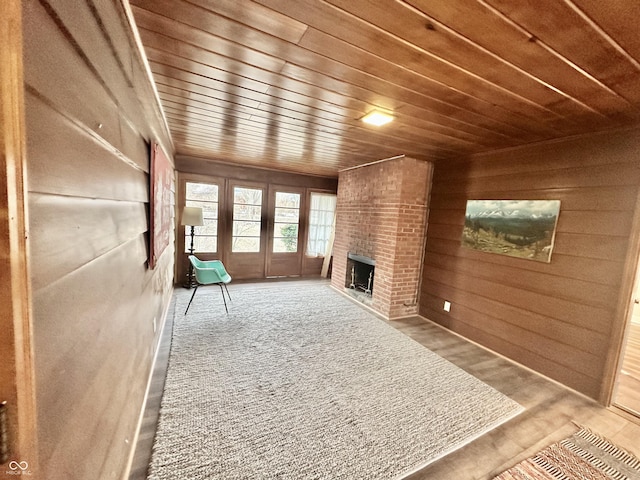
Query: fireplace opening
{"points": [[360, 273]]}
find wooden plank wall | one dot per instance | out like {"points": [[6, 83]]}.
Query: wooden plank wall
{"points": [[555, 318], [97, 309]]}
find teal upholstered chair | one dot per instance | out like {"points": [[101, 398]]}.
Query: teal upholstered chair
{"points": [[210, 272]]}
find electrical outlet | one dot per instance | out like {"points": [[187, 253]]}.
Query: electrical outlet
{"points": [[447, 306]]}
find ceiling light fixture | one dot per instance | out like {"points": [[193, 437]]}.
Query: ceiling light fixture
{"points": [[377, 118]]}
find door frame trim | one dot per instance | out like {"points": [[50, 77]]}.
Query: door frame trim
{"points": [[623, 312], [15, 311]]}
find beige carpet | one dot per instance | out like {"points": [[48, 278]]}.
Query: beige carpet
{"points": [[297, 382]]}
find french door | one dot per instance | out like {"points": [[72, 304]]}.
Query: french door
{"points": [[257, 229], [247, 235], [285, 231]]}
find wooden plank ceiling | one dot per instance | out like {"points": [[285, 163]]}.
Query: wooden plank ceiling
{"points": [[283, 83]]}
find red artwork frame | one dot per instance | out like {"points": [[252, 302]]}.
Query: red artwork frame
{"points": [[160, 204]]}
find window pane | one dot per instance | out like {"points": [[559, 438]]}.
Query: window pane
{"points": [[290, 200], [202, 191], [247, 212], [205, 244], [209, 228], [288, 230], [209, 209], [246, 244], [247, 196], [287, 215], [201, 244], [205, 196], [246, 229], [284, 245]]}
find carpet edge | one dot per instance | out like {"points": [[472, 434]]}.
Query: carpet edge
{"points": [[467, 441]]}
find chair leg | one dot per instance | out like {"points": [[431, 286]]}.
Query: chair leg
{"points": [[223, 299], [225, 287], [192, 295]]}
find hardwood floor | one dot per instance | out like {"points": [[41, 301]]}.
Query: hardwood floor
{"points": [[147, 432], [551, 409]]}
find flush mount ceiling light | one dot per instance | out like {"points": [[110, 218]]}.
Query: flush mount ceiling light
{"points": [[377, 118]]}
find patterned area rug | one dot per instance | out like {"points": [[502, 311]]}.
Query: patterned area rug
{"points": [[297, 382], [583, 456]]}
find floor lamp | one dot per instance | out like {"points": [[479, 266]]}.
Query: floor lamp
{"points": [[191, 216]]}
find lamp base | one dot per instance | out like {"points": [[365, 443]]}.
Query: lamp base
{"points": [[190, 283], [191, 277]]}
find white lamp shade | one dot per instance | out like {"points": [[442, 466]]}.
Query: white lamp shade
{"points": [[192, 216]]}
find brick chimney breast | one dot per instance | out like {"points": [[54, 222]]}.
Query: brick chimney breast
{"points": [[381, 213]]}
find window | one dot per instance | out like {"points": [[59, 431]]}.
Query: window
{"points": [[204, 195], [321, 216], [247, 219], [286, 222]]}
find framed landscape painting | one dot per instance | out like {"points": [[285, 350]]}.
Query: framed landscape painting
{"points": [[518, 228]]}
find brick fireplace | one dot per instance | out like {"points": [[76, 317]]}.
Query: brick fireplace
{"points": [[381, 216]]}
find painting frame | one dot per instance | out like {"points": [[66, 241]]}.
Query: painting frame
{"points": [[160, 204], [523, 229]]}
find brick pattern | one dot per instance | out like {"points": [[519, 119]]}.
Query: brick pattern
{"points": [[381, 213]]}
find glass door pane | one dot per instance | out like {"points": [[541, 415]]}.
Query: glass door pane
{"points": [[247, 220], [286, 222], [205, 196]]}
